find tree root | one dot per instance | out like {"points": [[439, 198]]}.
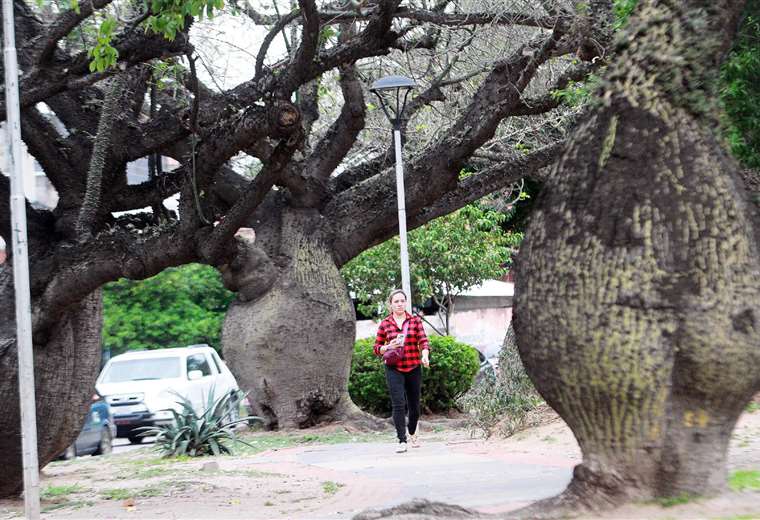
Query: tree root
{"points": [[589, 492], [352, 417], [420, 510]]}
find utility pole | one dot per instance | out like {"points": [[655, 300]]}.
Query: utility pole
{"points": [[20, 259]]}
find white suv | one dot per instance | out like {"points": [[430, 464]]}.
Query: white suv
{"points": [[141, 386]]}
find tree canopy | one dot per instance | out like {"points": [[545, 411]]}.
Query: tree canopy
{"points": [[447, 256], [179, 307]]}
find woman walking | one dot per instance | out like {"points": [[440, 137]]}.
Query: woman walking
{"points": [[401, 330]]}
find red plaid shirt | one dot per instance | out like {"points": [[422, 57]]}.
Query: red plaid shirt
{"points": [[416, 340]]}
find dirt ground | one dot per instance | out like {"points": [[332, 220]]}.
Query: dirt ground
{"points": [[333, 473]]}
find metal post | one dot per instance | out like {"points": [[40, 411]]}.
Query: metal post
{"points": [[405, 283], [21, 272]]}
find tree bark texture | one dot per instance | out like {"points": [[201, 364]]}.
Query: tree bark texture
{"points": [[290, 341], [65, 369], [638, 288]]}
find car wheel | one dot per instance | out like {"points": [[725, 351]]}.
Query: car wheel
{"points": [[70, 453], [105, 446], [134, 439]]}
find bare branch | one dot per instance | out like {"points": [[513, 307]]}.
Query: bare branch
{"points": [[261, 56], [492, 179], [437, 17], [63, 24], [341, 135]]}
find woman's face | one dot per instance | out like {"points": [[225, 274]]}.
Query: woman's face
{"points": [[398, 303]]}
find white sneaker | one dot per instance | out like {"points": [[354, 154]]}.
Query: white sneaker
{"points": [[414, 440], [401, 448]]}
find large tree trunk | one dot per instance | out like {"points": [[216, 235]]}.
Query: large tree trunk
{"points": [[289, 340], [65, 371], [638, 305]]}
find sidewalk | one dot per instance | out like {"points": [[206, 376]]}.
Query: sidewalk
{"points": [[488, 476]]}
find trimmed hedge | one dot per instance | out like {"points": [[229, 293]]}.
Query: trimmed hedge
{"points": [[453, 368]]}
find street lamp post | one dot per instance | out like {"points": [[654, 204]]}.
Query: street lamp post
{"points": [[393, 91]]}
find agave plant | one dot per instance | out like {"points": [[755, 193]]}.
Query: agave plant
{"points": [[210, 433]]}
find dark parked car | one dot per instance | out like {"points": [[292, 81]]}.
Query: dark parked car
{"points": [[97, 434]]}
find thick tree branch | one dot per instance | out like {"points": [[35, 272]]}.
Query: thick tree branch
{"points": [[254, 194], [297, 71], [46, 145], [464, 192], [493, 178], [108, 257], [153, 191], [549, 101]]}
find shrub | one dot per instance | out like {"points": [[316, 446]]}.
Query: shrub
{"points": [[196, 436], [453, 367], [500, 403]]}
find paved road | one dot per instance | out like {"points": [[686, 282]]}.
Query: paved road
{"points": [[123, 445]]}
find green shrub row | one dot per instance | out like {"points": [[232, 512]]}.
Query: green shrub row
{"points": [[453, 366]]}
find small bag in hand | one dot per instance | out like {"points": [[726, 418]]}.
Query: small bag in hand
{"points": [[393, 356]]}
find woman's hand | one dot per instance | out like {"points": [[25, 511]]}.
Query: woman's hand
{"points": [[426, 358]]}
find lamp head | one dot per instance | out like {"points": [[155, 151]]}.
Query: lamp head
{"points": [[388, 90]]}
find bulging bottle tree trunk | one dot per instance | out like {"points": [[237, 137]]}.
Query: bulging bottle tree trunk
{"points": [[289, 337], [638, 285], [65, 368]]}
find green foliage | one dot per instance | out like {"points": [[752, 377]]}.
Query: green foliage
{"points": [[453, 367], [578, 93], [180, 306], [740, 91], [447, 256], [103, 55], [171, 15], [189, 434], [743, 480], [61, 491], [499, 403], [623, 10]]}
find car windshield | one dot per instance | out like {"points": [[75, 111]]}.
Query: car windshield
{"points": [[143, 369]]}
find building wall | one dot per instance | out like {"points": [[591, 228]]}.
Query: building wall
{"points": [[37, 188]]}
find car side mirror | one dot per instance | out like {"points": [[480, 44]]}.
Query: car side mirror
{"points": [[194, 374]]}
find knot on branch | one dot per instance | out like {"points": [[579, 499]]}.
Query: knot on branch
{"points": [[284, 118]]}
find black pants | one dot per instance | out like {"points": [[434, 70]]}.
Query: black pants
{"points": [[404, 388]]}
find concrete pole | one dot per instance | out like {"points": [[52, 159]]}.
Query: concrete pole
{"points": [[405, 283], [20, 261]]}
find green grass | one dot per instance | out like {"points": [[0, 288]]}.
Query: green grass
{"points": [[117, 494], [744, 479], [262, 442], [677, 500], [73, 504], [60, 491], [753, 407], [755, 516], [141, 474], [330, 487], [156, 461]]}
